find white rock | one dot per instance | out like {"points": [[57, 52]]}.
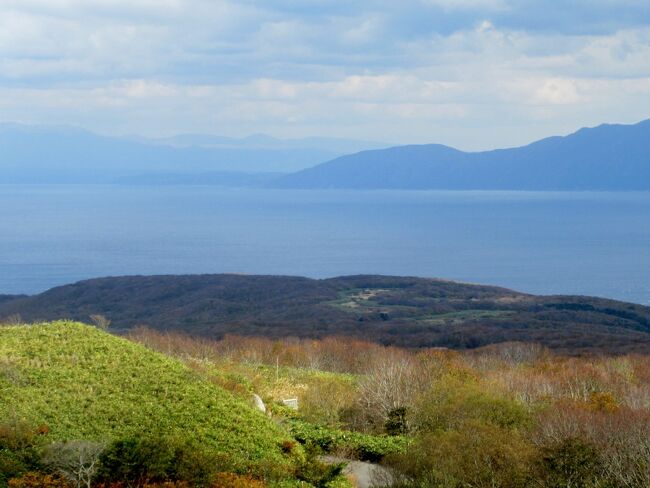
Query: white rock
{"points": [[259, 403]]}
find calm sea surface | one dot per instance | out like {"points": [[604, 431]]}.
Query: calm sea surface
{"points": [[579, 243]]}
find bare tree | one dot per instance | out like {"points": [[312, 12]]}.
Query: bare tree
{"points": [[100, 321], [77, 461], [389, 384], [14, 319]]}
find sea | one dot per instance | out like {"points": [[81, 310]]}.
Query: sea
{"points": [[583, 243]]}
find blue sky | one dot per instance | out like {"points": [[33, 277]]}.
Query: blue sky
{"points": [[474, 74]]}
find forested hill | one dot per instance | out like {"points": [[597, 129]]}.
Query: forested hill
{"points": [[607, 157], [8, 298], [412, 312]]}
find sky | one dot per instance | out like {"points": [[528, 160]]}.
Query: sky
{"points": [[474, 74]]}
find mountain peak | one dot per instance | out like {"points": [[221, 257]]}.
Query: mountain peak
{"points": [[606, 157]]}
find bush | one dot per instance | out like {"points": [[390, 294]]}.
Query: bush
{"points": [[571, 462], [452, 403], [363, 446], [135, 460], [317, 473], [618, 440], [396, 423], [158, 459], [164, 484], [232, 480], [479, 455], [76, 461], [39, 480], [325, 398], [20, 450], [603, 402]]}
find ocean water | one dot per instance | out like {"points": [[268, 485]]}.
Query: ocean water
{"points": [[539, 242]]}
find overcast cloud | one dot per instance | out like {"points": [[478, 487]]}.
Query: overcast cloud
{"points": [[469, 73]]}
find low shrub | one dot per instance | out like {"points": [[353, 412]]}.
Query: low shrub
{"points": [[479, 455], [318, 473], [232, 480], [156, 459], [449, 404], [39, 480], [363, 446], [164, 484], [20, 450], [326, 397], [570, 462], [397, 423]]}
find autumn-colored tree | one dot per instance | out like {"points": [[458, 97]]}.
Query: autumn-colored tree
{"points": [[39, 480]]}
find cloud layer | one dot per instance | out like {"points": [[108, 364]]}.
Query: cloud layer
{"points": [[471, 73]]}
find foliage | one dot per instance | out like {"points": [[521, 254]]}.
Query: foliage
{"points": [[450, 404], [320, 474], [146, 459], [571, 462], [396, 423], [232, 480], [325, 398], [476, 456], [162, 484], [504, 409], [615, 445], [76, 461], [407, 312], [39, 480], [511, 415], [20, 449], [362, 446], [86, 384]]}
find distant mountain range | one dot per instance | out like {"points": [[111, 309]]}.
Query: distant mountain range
{"points": [[410, 312], [263, 141], [39, 154], [607, 157]]}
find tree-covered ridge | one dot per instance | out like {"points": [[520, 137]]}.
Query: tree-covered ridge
{"points": [[403, 311], [603, 158]]}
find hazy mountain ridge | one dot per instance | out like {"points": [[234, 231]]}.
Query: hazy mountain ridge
{"points": [[263, 141], [404, 311], [42, 154], [607, 157]]}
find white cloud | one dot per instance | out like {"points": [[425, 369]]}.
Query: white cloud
{"points": [[467, 4], [385, 70], [555, 91]]}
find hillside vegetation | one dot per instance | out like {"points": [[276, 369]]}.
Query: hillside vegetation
{"points": [[508, 416], [408, 312], [73, 382], [166, 410]]}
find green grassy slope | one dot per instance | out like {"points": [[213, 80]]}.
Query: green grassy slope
{"points": [[86, 384]]}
